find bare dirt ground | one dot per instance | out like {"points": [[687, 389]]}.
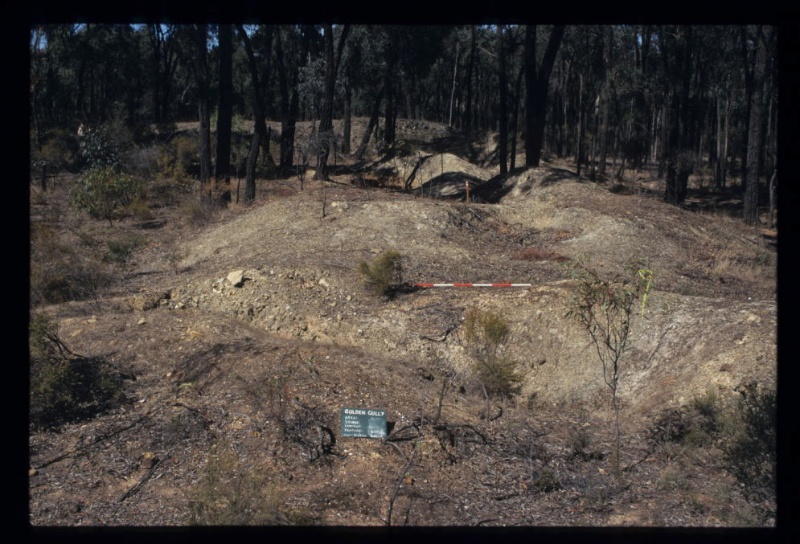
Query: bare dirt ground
{"points": [[259, 370]]}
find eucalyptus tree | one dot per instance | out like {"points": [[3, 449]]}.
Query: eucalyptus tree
{"points": [[676, 44], [222, 164], [164, 62], [332, 61], [200, 39], [364, 64], [764, 38], [537, 79], [292, 47], [259, 78], [502, 125]]}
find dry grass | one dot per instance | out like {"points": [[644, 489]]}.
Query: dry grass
{"points": [[539, 254], [750, 267]]}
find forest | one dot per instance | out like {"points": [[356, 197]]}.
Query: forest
{"points": [[608, 97]]}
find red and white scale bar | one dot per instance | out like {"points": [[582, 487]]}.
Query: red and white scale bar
{"points": [[473, 285]]}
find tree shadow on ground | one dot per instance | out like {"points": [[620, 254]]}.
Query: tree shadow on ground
{"points": [[449, 185], [494, 190]]}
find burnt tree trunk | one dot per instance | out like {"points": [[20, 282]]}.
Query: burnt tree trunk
{"points": [[536, 81], [755, 139], [373, 122], [222, 167], [502, 143], [325, 131]]}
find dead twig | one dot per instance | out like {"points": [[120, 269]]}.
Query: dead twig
{"points": [[399, 484], [97, 440], [135, 489]]}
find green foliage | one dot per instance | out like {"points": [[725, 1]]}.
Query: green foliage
{"points": [[98, 150], [605, 309], [750, 450], [232, 494], [385, 274], [65, 387], [104, 192], [745, 431], [177, 157], [709, 408], [500, 377], [487, 329], [486, 332], [578, 441]]}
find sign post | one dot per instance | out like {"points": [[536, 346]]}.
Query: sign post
{"points": [[363, 423]]}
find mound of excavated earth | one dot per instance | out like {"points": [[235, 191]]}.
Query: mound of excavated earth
{"points": [[703, 325], [241, 342]]}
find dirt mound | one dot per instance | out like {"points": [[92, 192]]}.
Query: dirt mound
{"points": [[302, 280], [262, 367]]}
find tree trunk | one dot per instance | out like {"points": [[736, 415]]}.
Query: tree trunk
{"points": [[390, 115], [325, 134], [252, 159], [225, 109], [468, 119], [719, 165], [603, 136], [678, 149], [581, 129], [201, 76], [289, 104], [773, 197], [373, 121], [536, 82], [755, 137], [258, 122], [605, 96], [325, 131], [453, 91], [515, 120], [502, 143], [347, 122]]}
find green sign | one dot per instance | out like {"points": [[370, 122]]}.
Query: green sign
{"points": [[363, 423]]}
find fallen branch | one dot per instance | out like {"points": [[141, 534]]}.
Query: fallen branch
{"points": [[97, 440], [400, 480], [135, 489]]}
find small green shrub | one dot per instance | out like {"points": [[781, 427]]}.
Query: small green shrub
{"points": [[385, 275], [65, 387], [709, 410], [546, 481], [121, 249], [579, 441], [103, 192], [750, 448], [176, 158], [487, 330], [606, 308], [232, 494], [485, 333], [97, 149], [500, 377]]}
